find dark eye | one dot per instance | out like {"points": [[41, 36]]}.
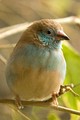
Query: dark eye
{"points": [[49, 32]]}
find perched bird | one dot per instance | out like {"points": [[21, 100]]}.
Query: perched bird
{"points": [[37, 67]]}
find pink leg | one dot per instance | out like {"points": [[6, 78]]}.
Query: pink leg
{"points": [[54, 98], [18, 102]]}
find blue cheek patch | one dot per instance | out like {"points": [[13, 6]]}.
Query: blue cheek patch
{"points": [[45, 39], [49, 41]]}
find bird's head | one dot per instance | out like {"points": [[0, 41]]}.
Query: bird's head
{"points": [[47, 33]]}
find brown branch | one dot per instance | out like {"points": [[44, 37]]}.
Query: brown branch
{"points": [[3, 59], [40, 104]]}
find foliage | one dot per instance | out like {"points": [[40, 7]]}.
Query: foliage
{"points": [[73, 72]]}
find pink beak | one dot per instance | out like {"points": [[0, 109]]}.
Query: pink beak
{"points": [[61, 35]]}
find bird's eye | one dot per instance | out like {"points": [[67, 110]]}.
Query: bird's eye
{"points": [[48, 32]]}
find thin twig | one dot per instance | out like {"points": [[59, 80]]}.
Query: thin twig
{"points": [[3, 59], [69, 20], [4, 46], [41, 104], [8, 31], [19, 112]]}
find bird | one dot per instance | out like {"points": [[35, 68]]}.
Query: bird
{"points": [[37, 68]]}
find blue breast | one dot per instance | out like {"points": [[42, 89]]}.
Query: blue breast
{"points": [[37, 57]]}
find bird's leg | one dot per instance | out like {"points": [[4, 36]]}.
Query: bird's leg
{"points": [[63, 89], [54, 98], [18, 102]]}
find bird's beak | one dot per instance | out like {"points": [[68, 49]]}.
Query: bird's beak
{"points": [[61, 35]]}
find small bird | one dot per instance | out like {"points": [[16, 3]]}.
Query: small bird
{"points": [[36, 68]]}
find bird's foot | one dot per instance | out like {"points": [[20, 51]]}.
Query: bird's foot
{"points": [[54, 98], [65, 88], [18, 102]]}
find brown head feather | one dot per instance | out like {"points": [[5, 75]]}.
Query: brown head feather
{"points": [[30, 35]]}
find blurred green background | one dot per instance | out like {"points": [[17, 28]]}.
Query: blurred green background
{"points": [[14, 12]]}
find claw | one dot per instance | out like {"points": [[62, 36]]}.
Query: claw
{"points": [[65, 88], [74, 93], [18, 102]]}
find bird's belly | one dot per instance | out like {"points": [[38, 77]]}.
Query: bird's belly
{"points": [[36, 76], [38, 84]]}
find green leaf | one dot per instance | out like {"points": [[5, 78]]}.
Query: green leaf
{"points": [[72, 76], [52, 116], [73, 71]]}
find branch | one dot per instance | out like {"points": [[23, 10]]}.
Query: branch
{"points": [[40, 104], [8, 31], [69, 20], [3, 59], [5, 46]]}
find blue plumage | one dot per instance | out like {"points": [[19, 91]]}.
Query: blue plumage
{"points": [[49, 41]]}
